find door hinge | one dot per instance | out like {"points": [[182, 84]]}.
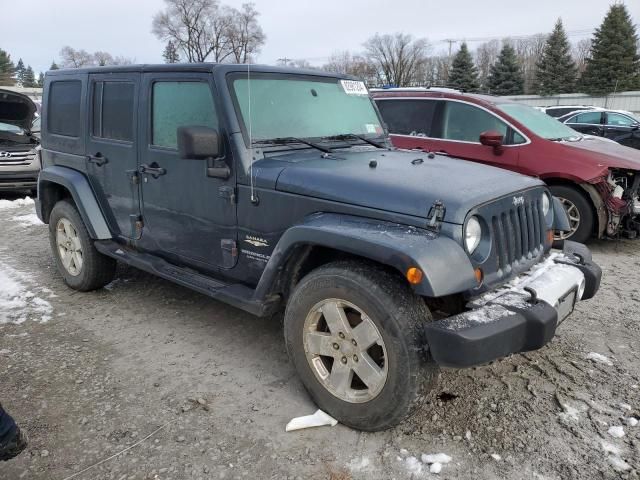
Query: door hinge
{"points": [[229, 252], [227, 192], [137, 225], [134, 176]]}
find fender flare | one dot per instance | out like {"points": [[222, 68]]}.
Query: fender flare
{"points": [[446, 267], [80, 190]]}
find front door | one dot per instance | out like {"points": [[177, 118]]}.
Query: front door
{"points": [[112, 149], [622, 129], [589, 123], [189, 217]]}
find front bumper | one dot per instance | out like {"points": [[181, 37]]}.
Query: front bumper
{"points": [[520, 316], [19, 181]]}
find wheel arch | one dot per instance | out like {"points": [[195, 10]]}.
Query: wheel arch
{"points": [[57, 183]]}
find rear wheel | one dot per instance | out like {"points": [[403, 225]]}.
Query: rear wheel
{"points": [[82, 267], [354, 333], [579, 211]]}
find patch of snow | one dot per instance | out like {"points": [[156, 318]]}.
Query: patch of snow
{"points": [[599, 358], [435, 458], [632, 422], [414, 465], [467, 435], [27, 220], [618, 464], [5, 351], [616, 432], [496, 457], [435, 467], [610, 448], [17, 303], [569, 412], [357, 465], [625, 406], [18, 202], [318, 419], [404, 452]]}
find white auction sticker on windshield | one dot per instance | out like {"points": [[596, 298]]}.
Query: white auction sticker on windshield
{"points": [[354, 87]]}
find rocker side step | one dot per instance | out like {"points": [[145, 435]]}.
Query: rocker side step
{"points": [[238, 295]]}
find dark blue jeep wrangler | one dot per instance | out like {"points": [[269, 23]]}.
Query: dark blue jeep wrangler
{"points": [[268, 188]]}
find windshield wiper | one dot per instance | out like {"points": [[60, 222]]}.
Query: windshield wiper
{"points": [[285, 140], [344, 136]]}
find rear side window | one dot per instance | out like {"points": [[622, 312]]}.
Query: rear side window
{"points": [[593, 118], [408, 117], [113, 107], [63, 117], [465, 123], [618, 120], [178, 104]]}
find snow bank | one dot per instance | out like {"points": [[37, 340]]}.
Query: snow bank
{"points": [[27, 220], [18, 202], [17, 302]]}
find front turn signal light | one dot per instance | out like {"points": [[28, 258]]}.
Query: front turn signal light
{"points": [[479, 275], [414, 275], [549, 236]]}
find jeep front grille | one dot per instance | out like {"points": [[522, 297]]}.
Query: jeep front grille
{"points": [[518, 234]]}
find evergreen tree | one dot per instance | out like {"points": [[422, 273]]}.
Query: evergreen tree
{"points": [[613, 63], [20, 72], [40, 80], [29, 78], [7, 69], [505, 77], [556, 70], [463, 74], [54, 66], [170, 53]]}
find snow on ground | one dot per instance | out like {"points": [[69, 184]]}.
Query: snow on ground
{"points": [[27, 220], [599, 358], [432, 463], [18, 202], [617, 431], [17, 303]]}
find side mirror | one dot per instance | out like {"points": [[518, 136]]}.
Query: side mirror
{"points": [[198, 143], [492, 139]]}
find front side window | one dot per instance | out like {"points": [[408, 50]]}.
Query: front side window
{"points": [[180, 104], [113, 107], [464, 122], [303, 107], [408, 117], [589, 118], [618, 120], [539, 122], [63, 117]]}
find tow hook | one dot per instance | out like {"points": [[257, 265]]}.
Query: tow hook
{"points": [[534, 295]]}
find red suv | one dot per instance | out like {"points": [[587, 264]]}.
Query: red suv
{"points": [[596, 179]]}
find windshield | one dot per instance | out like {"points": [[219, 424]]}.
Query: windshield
{"points": [[539, 123], [289, 106], [7, 127]]}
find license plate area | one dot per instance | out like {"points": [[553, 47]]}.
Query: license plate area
{"points": [[566, 304]]}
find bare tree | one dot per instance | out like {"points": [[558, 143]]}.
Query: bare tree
{"points": [[197, 27], [103, 58], [72, 58], [581, 53], [347, 63], [529, 50], [486, 55], [245, 33], [396, 56]]}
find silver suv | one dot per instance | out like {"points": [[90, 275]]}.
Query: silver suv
{"points": [[19, 147]]}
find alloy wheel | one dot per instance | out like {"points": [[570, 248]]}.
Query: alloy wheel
{"points": [[574, 219], [69, 247]]}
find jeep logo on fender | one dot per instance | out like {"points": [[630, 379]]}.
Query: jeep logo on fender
{"points": [[5, 154], [517, 201]]}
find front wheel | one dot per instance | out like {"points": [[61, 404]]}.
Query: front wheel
{"points": [[80, 264], [579, 211], [354, 333]]}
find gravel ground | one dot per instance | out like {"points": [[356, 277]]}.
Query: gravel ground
{"points": [[90, 374]]}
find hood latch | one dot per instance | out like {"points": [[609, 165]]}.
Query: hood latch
{"points": [[436, 215]]}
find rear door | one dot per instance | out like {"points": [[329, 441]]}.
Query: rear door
{"points": [[622, 129], [112, 148], [589, 123]]}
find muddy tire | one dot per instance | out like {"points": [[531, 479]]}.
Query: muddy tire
{"points": [[354, 333], [82, 267], [579, 210]]}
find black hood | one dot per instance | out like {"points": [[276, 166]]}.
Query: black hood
{"points": [[401, 181], [16, 109]]}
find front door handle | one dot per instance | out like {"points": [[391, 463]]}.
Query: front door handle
{"points": [[154, 170], [98, 159]]}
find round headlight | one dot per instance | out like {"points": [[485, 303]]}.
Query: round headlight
{"points": [[472, 234], [546, 204]]}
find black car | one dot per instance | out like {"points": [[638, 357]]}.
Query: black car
{"points": [[272, 188], [621, 127]]}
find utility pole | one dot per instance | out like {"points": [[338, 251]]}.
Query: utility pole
{"points": [[285, 61]]}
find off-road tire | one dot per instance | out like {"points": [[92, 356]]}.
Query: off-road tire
{"points": [[97, 269], [399, 316], [587, 219]]}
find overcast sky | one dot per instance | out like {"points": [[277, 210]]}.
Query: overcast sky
{"points": [[35, 30]]}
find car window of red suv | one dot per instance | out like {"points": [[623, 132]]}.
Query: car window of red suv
{"points": [[464, 122], [408, 116]]}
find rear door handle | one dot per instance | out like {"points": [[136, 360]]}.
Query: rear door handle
{"points": [[98, 159], [154, 170]]}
